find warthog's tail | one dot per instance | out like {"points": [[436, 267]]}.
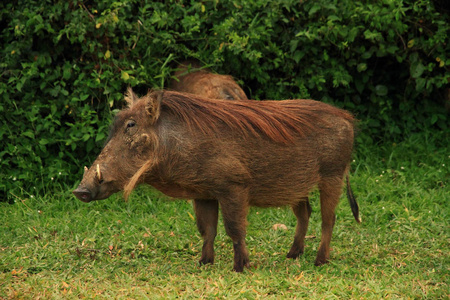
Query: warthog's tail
{"points": [[352, 201]]}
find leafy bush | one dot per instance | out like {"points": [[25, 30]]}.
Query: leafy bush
{"points": [[65, 66]]}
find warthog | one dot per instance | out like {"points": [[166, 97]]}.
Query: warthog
{"points": [[190, 77], [232, 154]]}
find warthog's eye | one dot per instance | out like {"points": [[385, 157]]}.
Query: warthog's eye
{"points": [[131, 127]]}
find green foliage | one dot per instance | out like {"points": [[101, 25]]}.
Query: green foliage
{"points": [[65, 64]]}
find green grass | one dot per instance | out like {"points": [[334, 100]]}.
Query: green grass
{"points": [[55, 246]]}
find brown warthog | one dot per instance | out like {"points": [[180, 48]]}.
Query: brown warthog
{"points": [[190, 77], [232, 154]]}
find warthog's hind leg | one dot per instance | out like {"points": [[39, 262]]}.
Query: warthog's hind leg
{"points": [[330, 190], [302, 211]]}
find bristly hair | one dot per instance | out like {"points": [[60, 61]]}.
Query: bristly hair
{"points": [[279, 121], [130, 97]]}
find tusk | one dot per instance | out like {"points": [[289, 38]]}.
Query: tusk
{"points": [[99, 174], [85, 169]]}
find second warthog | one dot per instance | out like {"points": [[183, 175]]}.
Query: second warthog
{"points": [[192, 77], [232, 154]]}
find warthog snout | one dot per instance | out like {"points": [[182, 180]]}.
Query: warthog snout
{"points": [[83, 194], [96, 184]]}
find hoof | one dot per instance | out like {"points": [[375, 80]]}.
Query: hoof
{"points": [[294, 253], [239, 266], [293, 256], [320, 262], [205, 261]]}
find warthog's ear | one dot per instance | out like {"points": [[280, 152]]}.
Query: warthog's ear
{"points": [[130, 97], [153, 105]]}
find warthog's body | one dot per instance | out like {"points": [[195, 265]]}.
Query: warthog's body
{"points": [[190, 77], [229, 153]]}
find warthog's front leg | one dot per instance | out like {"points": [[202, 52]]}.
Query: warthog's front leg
{"points": [[206, 212], [234, 210]]}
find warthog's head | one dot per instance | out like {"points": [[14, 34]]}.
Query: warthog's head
{"points": [[131, 143]]}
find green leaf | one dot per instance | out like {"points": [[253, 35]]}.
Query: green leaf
{"points": [[417, 69], [434, 119], [366, 55], [293, 45], [353, 33], [298, 55], [100, 137], [67, 73], [125, 76], [28, 133], [414, 57], [381, 90], [315, 8], [359, 84], [361, 67], [420, 84], [334, 18]]}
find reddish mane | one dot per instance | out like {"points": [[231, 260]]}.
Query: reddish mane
{"points": [[279, 121]]}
